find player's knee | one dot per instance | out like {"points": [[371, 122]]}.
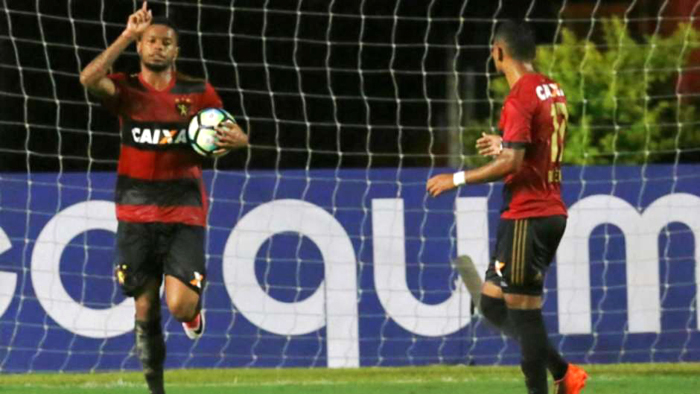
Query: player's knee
{"points": [[523, 301], [494, 310], [182, 310]]}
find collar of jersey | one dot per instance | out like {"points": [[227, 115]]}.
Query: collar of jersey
{"points": [[152, 89], [517, 83]]}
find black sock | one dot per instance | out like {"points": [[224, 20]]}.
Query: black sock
{"points": [[496, 313], [150, 347], [556, 364], [529, 325]]}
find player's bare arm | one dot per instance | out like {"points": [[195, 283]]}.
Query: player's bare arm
{"points": [[230, 136], [507, 162], [94, 75], [489, 144]]}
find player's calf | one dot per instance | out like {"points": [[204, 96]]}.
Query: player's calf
{"points": [[184, 311], [150, 348], [529, 327], [183, 302], [185, 305]]}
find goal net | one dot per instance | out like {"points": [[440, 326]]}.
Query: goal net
{"points": [[323, 249]]}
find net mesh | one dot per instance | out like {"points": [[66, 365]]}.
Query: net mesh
{"points": [[322, 247]]}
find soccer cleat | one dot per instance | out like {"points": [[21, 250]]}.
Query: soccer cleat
{"points": [[195, 328], [573, 381]]}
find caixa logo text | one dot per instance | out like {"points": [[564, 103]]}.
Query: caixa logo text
{"points": [[158, 136], [334, 305]]}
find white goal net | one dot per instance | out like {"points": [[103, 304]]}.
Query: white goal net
{"points": [[323, 248]]}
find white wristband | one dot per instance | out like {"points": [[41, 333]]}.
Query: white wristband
{"points": [[458, 178]]}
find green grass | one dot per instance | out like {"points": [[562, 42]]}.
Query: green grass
{"points": [[604, 379]]}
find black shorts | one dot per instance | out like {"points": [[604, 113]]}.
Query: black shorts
{"points": [[151, 250], [524, 250]]}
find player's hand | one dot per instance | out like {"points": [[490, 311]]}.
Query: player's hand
{"points": [[138, 22], [489, 145], [230, 136], [439, 184]]}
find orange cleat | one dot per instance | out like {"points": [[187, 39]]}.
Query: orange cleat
{"points": [[573, 382]]}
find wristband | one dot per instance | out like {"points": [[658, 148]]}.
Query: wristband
{"points": [[458, 178]]}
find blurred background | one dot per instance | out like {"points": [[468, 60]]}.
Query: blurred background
{"points": [[330, 84]]}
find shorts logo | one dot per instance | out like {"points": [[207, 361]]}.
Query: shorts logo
{"points": [[499, 267], [197, 281], [539, 277], [183, 106]]}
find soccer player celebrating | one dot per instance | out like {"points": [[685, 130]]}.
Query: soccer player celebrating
{"points": [[533, 219], [160, 197]]}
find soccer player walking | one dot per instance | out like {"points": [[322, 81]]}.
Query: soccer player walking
{"points": [[160, 196], [533, 219]]}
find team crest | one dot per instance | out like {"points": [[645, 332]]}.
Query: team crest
{"points": [[121, 273], [183, 106]]}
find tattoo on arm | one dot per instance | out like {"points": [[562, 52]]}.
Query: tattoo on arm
{"points": [[93, 75]]}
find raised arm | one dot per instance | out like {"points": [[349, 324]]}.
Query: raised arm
{"points": [[94, 75]]}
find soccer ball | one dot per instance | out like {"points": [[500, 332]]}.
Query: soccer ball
{"points": [[201, 132]]}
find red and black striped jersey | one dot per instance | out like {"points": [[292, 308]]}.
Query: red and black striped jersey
{"points": [[159, 176]]}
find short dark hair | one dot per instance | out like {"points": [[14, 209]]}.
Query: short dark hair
{"points": [[518, 38], [164, 20]]}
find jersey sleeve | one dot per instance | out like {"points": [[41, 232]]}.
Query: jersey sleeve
{"points": [[516, 119], [210, 99], [113, 103]]}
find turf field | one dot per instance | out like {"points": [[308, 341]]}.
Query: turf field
{"points": [[605, 379]]}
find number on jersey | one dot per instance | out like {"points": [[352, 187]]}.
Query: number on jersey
{"points": [[560, 117]]}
